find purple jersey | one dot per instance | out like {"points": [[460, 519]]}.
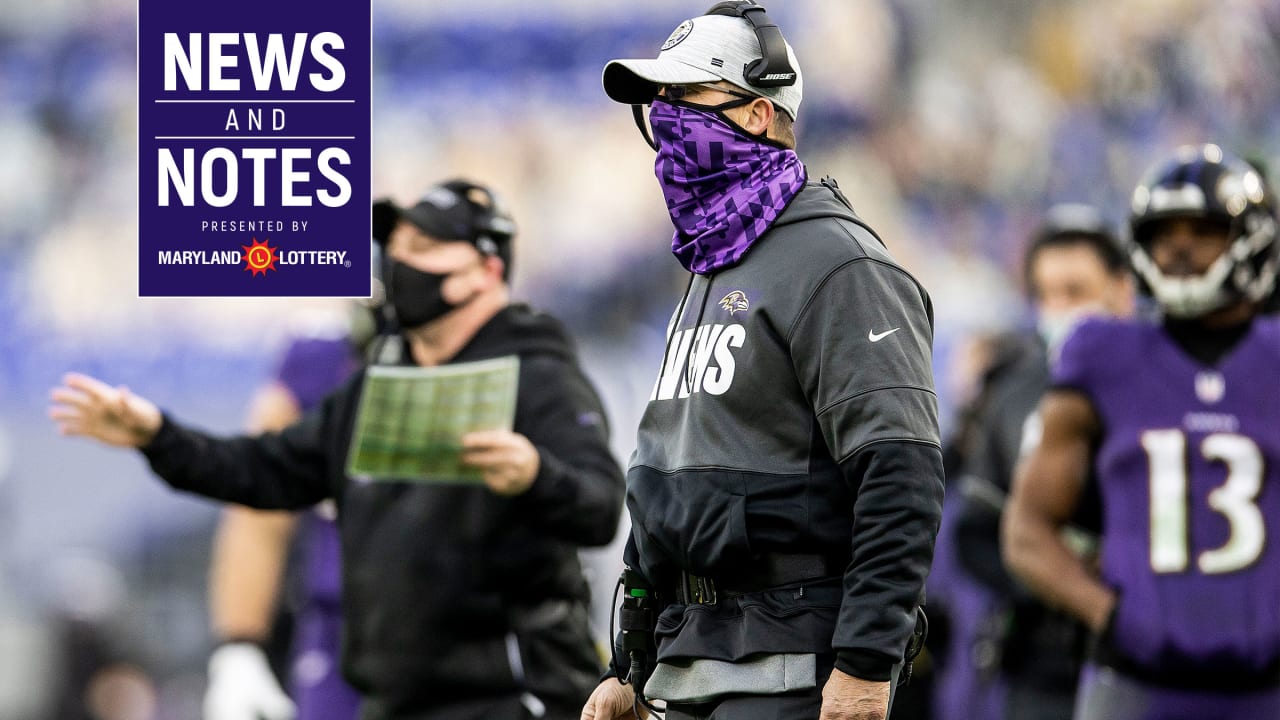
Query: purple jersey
{"points": [[1189, 472]]}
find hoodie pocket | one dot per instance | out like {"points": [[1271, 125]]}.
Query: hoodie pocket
{"points": [[698, 518]]}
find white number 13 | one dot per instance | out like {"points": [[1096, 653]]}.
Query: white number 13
{"points": [[1234, 499]]}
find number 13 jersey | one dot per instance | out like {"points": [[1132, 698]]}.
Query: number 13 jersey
{"points": [[1188, 466]]}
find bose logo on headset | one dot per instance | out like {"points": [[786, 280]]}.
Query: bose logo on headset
{"points": [[773, 69]]}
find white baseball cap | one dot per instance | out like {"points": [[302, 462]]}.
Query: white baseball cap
{"points": [[704, 49]]}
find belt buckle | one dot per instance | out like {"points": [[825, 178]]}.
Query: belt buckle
{"points": [[700, 590]]}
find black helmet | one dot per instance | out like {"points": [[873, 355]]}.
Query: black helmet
{"points": [[1206, 182]]}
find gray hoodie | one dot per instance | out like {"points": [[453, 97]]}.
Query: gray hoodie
{"points": [[794, 413]]}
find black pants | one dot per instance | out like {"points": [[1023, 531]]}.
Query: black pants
{"points": [[800, 705], [1030, 703]]}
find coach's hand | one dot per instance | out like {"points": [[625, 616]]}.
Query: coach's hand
{"points": [[87, 406], [611, 700], [846, 697], [507, 459]]}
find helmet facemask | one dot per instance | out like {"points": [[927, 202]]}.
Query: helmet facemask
{"points": [[1207, 183]]}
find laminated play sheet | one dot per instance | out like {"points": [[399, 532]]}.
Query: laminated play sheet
{"points": [[411, 420]]}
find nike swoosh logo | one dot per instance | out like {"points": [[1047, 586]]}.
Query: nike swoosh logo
{"points": [[877, 337]]}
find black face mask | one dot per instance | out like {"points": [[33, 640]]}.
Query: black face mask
{"points": [[416, 295]]}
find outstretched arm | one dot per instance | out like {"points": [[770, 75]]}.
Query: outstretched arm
{"points": [[87, 407], [285, 470]]}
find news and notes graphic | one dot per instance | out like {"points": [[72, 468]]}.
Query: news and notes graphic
{"points": [[253, 148], [411, 420]]}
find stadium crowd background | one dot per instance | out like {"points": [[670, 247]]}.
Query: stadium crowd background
{"points": [[951, 125]]}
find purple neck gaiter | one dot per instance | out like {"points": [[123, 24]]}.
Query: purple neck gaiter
{"points": [[724, 188]]}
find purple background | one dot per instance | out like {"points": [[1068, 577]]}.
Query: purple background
{"points": [[177, 227]]}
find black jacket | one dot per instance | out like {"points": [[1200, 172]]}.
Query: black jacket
{"points": [[1041, 647], [794, 413], [439, 579]]}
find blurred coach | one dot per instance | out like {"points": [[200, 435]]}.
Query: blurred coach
{"points": [[462, 602]]}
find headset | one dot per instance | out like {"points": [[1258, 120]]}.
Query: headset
{"points": [[773, 68], [491, 223]]}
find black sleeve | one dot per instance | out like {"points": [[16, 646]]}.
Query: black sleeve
{"points": [[862, 348], [896, 517], [577, 494], [274, 471], [984, 488]]}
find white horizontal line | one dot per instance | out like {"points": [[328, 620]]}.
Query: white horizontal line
{"points": [[255, 137], [259, 102]]}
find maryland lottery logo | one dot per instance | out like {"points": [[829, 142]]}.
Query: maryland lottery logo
{"points": [[259, 257]]}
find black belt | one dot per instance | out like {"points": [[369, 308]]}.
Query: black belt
{"points": [[765, 571]]}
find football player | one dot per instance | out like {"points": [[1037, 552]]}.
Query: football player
{"points": [[1179, 419]]}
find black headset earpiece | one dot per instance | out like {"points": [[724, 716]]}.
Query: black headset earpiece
{"points": [[773, 68], [492, 223]]}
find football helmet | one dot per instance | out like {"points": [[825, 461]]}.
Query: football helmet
{"points": [[1206, 182]]}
